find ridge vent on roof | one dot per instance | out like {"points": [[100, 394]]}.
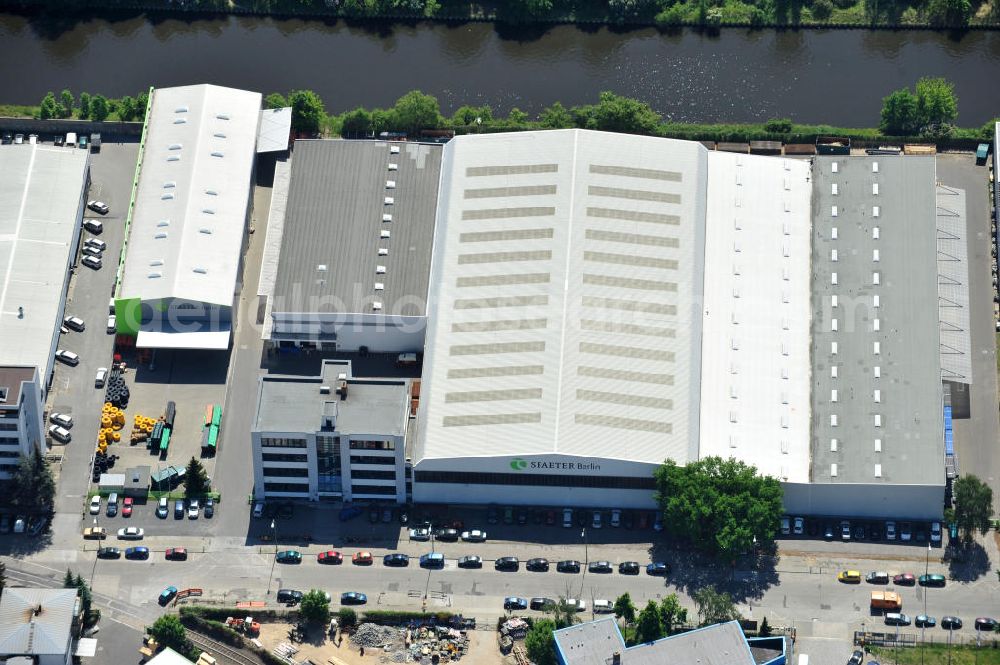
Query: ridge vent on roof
{"points": [[155, 275], [180, 121], [160, 235], [219, 135], [207, 231], [211, 192], [162, 223], [201, 271], [222, 116], [156, 262], [208, 211], [216, 153], [174, 158], [169, 184], [175, 146], [166, 196], [181, 109]]}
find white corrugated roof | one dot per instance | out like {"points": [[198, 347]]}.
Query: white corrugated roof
{"points": [[275, 128], [755, 346], [40, 200], [36, 621], [191, 203], [562, 313]]}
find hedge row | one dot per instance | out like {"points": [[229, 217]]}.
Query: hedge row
{"points": [[220, 614], [390, 617]]}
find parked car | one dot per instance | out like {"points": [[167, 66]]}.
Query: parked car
{"points": [[90, 250], [179, 509], [100, 377], [95, 504], [595, 522], [515, 603], [67, 357], [877, 577], [37, 524], [542, 604], [522, 516], [474, 536], [537, 565], [924, 621], [786, 526], [95, 533], [798, 526], [362, 559], [600, 567], [137, 553], [97, 244], [904, 579], [93, 226], [860, 532], [628, 568], [849, 576], [432, 560], [567, 518], [61, 419], [290, 596], [905, 532], [658, 521], [659, 568], [127, 504], [507, 563], [332, 557], [91, 262], [988, 624], [932, 580], [577, 604], [568, 566], [100, 207], [20, 524], [951, 623], [209, 508], [616, 518], [193, 509], [108, 553], [396, 559], [935, 532], [258, 509], [131, 533], [420, 534], [602, 606], [161, 508], [404, 516], [176, 554], [288, 556], [845, 530], [374, 514], [896, 619], [447, 534], [74, 323], [167, 595], [890, 531], [874, 532], [828, 531], [60, 433], [857, 658], [353, 598], [470, 561]]}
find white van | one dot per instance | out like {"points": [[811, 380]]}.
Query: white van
{"points": [[102, 375], [93, 226], [603, 607], [71, 139]]}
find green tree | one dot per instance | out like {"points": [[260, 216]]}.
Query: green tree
{"points": [[307, 111], [517, 11], [68, 581], [765, 629], [563, 614], [315, 608], [973, 506], [714, 606], [949, 13], [672, 613], [347, 617], [614, 113], [141, 102], [556, 117], [936, 101], [32, 485], [84, 105], [625, 608], [517, 116], [540, 643], [822, 9], [169, 632], [472, 115], [196, 479], [720, 505], [48, 109], [66, 104], [415, 111], [648, 627], [356, 122], [899, 113], [127, 109], [3, 576], [275, 100], [86, 598], [99, 108]]}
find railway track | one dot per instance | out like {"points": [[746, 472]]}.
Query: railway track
{"points": [[223, 652]]}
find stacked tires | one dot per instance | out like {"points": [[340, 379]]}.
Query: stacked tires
{"points": [[117, 392]]}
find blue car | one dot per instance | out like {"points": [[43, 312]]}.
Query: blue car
{"points": [[349, 513], [353, 598], [137, 553], [660, 568], [167, 595]]}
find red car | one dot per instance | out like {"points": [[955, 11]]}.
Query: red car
{"points": [[127, 507], [330, 557], [362, 559], [176, 554], [904, 579]]}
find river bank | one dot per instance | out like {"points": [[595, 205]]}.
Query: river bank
{"points": [[529, 15]]}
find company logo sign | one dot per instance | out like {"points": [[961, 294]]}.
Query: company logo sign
{"points": [[518, 464]]}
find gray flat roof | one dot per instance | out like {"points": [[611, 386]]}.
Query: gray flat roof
{"points": [[334, 227], [596, 642], [41, 199], [295, 403], [877, 395]]}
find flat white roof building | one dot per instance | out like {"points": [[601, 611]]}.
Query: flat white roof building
{"points": [[564, 311], [190, 217]]}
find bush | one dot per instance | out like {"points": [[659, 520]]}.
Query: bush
{"points": [[671, 16], [822, 9], [347, 617], [392, 617], [778, 125]]}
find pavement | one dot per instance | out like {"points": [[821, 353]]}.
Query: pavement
{"points": [[977, 439]]}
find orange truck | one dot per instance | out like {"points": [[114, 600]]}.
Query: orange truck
{"points": [[886, 600]]}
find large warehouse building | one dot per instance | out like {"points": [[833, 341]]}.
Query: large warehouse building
{"points": [[598, 303], [41, 212]]}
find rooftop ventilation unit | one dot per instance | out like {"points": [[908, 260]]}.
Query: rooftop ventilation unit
{"points": [[222, 116], [833, 371], [377, 306], [379, 286], [390, 184], [219, 135], [875, 233], [878, 445], [733, 416], [874, 167], [181, 109], [167, 196], [834, 325], [877, 372], [833, 420], [207, 231], [877, 396], [875, 211], [833, 348], [388, 201], [156, 262], [154, 275], [833, 233], [170, 184], [784, 397], [874, 189], [382, 251], [875, 255], [180, 121], [784, 423], [834, 300], [878, 420], [876, 278], [379, 270], [161, 235], [175, 146], [876, 325], [324, 390], [321, 267], [387, 217], [217, 154], [394, 150], [833, 445], [876, 348], [208, 211], [878, 470], [788, 183], [201, 271], [833, 211], [834, 167], [834, 189], [163, 222], [833, 254], [833, 278], [833, 395], [211, 192], [174, 158], [384, 235], [393, 167], [732, 441], [875, 300], [833, 467]]}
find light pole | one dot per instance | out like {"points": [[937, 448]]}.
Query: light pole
{"points": [[275, 559], [923, 627], [586, 559]]}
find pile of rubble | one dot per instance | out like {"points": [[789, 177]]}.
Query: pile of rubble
{"points": [[435, 644], [374, 636], [512, 629]]}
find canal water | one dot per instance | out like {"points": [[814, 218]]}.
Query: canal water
{"points": [[830, 76]]}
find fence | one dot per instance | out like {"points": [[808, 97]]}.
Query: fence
{"points": [[935, 638], [64, 126]]}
